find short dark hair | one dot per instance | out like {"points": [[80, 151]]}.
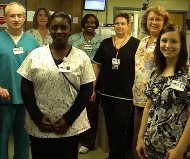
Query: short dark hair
{"points": [[124, 15], [60, 14], [160, 60], [35, 19], [85, 18]]}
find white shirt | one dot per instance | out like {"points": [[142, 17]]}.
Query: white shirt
{"points": [[54, 95]]}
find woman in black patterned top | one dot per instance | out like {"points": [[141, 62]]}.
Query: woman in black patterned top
{"points": [[165, 126]]}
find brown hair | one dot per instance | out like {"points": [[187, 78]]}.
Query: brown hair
{"points": [[35, 20], [160, 60], [124, 15]]}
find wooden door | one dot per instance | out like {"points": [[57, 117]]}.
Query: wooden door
{"points": [[177, 18]]}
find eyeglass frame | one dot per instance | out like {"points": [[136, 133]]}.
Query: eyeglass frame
{"points": [[154, 19]]}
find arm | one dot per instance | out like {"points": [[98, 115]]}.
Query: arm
{"points": [[27, 91], [79, 104], [96, 68], [184, 142], [4, 93], [61, 126], [141, 148]]}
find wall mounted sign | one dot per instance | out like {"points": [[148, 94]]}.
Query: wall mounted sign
{"points": [[2, 21]]}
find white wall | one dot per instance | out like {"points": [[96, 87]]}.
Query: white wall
{"points": [[107, 16]]}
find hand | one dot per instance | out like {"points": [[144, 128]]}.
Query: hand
{"points": [[60, 126], [45, 125], [93, 97], [141, 149], [174, 154], [4, 93]]}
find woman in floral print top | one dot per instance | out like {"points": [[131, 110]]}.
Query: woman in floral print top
{"points": [[152, 21], [40, 27], [165, 126]]}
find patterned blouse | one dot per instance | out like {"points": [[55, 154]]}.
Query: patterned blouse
{"points": [[144, 66], [90, 47], [168, 114], [54, 95], [36, 34]]}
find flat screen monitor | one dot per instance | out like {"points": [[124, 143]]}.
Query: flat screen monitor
{"points": [[96, 5]]}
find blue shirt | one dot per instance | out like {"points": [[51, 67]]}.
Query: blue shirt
{"points": [[90, 47], [10, 62]]}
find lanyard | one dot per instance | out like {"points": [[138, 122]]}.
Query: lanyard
{"points": [[117, 50]]}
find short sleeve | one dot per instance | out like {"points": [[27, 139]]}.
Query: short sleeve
{"points": [[25, 68], [87, 72], [98, 58], [148, 88], [186, 94]]}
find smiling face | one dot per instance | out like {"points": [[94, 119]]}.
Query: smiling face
{"points": [[15, 17], [170, 45], [42, 18], [155, 23], [60, 30], [90, 25]]}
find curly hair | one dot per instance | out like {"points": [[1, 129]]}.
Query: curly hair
{"points": [[35, 19], [157, 10]]}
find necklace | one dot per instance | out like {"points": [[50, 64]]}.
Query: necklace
{"points": [[117, 49]]}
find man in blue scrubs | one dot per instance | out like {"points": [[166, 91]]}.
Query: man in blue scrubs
{"points": [[14, 47]]}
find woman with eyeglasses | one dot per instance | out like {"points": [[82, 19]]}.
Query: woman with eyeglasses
{"points": [[165, 126], [114, 67], [153, 20]]}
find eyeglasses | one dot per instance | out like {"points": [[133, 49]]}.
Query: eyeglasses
{"points": [[155, 19]]}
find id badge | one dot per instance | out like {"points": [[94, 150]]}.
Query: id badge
{"points": [[64, 68], [88, 49], [180, 86], [18, 50], [115, 63]]}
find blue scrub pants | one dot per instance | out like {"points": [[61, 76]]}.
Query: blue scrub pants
{"points": [[12, 120]]}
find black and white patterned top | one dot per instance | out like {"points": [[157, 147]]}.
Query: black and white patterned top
{"points": [[169, 111], [54, 94]]}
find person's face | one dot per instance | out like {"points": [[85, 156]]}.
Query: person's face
{"points": [[60, 30], [15, 17], [42, 18], [90, 25], [170, 45], [121, 26], [155, 23]]}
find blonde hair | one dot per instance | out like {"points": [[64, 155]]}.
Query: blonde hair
{"points": [[161, 11], [14, 3]]}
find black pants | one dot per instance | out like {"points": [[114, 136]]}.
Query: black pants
{"points": [[119, 124], [54, 148], [88, 138]]}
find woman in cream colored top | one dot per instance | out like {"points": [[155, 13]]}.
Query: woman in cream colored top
{"points": [[56, 85]]}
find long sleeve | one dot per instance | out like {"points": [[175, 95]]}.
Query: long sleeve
{"points": [[80, 103], [27, 91]]}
